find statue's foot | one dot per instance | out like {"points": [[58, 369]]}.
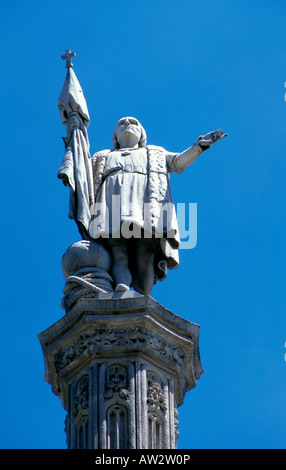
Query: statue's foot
{"points": [[121, 288]]}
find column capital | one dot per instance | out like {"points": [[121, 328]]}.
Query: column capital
{"points": [[119, 334]]}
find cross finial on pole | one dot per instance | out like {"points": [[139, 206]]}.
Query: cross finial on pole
{"points": [[68, 56]]}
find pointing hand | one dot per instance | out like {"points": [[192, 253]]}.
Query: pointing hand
{"points": [[205, 141]]}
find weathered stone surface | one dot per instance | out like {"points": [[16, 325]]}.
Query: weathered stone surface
{"points": [[121, 364], [83, 254], [136, 174], [85, 266]]}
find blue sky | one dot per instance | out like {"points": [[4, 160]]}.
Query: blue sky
{"points": [[183, 68]]}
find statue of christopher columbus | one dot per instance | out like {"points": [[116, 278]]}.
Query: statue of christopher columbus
{"points": [[117, 195]]}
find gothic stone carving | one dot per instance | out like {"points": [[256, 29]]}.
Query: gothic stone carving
{"points": [[124, 337], [121, 361], [155, 396], [116, 382], [80, 403]]}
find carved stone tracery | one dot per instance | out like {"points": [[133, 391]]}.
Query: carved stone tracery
{"points": [[80, 402], [120, 367], [155, 396], [116, 382], [120, 337]]}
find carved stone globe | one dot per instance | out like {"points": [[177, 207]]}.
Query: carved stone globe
{"points": [[85, 254]]}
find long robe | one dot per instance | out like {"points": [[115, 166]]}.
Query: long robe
{"points": [[146, 176], [138, 182]]}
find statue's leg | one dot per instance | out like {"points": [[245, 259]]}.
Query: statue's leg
{"points": [[120, 269], [144, 250]]}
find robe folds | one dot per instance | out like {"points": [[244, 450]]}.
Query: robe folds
{"points": [[87, 178], [151, 181]]}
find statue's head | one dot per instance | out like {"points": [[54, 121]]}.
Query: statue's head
{"points": [[129, 132]]}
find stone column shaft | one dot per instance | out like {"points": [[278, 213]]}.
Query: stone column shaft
{"points": [[121, 364]]}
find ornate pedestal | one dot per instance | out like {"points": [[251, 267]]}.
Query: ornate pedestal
{"points": [[121, 364]]}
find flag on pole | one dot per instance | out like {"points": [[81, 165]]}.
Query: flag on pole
{"points": [[72, 99], [76, 168]]}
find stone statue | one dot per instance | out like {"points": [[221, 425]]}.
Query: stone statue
{"points": [[118, 196]]}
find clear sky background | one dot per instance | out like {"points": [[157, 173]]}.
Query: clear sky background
{"points": [[183, 68]]}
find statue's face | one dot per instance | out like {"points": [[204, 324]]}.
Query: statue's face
{"points": [[128, 128]]}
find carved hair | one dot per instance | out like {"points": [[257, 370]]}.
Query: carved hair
{"points": [[143, 138]]}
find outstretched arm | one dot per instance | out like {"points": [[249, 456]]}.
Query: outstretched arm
{"points": [[182, 160]]}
